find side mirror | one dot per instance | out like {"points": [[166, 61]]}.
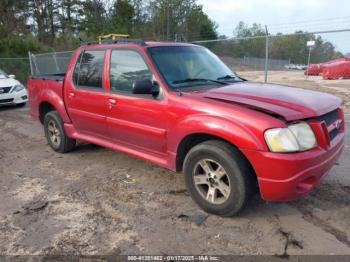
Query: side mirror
{"points": [[12, 76], [145, 87]]}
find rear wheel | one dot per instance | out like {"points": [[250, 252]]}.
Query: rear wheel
{"points": [[55, 134], [218, 177]]}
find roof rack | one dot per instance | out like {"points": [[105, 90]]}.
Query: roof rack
{"points": [[113, 36], [116, 41]]}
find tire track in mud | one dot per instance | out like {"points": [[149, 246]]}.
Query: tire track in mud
{"points": [[316, 221], [341, 197]]}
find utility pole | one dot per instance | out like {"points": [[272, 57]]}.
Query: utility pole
{"points": [[30, 63], [308, 62], [310, 44], [168, 23], [266, 53]]}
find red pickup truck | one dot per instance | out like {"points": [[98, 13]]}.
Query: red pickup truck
{"points": [[178, 106]]}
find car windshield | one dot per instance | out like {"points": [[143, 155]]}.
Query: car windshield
{"points": [[190, 66], [3, 74]]}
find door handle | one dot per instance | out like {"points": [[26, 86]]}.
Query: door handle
{"points": [[112, 101], [71, 94]]}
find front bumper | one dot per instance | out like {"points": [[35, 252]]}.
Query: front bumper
{"points": [[288, 176], [14, 98]]}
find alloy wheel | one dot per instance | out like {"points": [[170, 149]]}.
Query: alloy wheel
{"points": [[54, 133], [211, 181]]}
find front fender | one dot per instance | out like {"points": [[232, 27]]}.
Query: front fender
{"points": [[235, 133]]}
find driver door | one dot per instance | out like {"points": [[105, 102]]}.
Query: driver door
{"points": [[138, 121]]}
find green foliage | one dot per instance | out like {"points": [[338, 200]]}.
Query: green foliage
{"points": [[153, 19], [95, 20], [122, 17], [12, 17], [56, 25], [181, 20], [200, 26], [18, 47], [294, 47], [287, 47], [18, 67], [249, 47]]}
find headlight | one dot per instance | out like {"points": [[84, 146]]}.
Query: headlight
{"points": [[296, 137], [304, 135], [18, 88]]}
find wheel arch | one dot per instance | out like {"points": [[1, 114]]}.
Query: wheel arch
{"points": [[191, 140], [50, 100], [44, 108], [199, 128]]}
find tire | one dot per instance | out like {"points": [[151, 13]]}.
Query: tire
{"points": [[54, 128], [232, 190]]}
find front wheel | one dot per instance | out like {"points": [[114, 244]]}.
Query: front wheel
{"points": [[218, 177], [55, 134]]}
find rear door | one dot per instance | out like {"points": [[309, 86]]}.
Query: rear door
{"points": [[85, 96], [139, 121]]}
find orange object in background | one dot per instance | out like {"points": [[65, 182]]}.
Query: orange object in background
{"points": [[313, 70], [339, 69], [336, 68]]}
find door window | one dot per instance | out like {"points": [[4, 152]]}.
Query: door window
{"points": [[126, 67], [88, 70]]}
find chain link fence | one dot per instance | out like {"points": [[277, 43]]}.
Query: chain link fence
{"points": [[19, 66], [261, 56], [255, 58], [35, 64], [49, 63]]}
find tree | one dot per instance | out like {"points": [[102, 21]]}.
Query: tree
{"points": [[254, 47], [141, 25], [199, 26], [181, 19], [70, 12], [294, 47], [13, 16], [122, 17], [38, 11], [251, 42], [94, 22]]}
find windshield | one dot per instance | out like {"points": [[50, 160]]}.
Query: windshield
{"points": [[3, 74], [188, 66]]}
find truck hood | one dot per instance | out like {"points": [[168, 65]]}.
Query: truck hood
{"points": [[288, 102]]}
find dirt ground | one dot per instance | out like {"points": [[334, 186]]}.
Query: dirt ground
{"points": [[97, 201]]}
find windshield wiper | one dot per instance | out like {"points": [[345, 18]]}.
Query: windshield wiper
{"points": [[187, 80], [226, 77], [229, 77]]}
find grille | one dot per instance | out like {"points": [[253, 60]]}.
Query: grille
{"points": [[333, 133], [329, 118], [4, 90], [4, 101]]}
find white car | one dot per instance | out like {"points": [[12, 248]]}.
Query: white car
{"points": [[12, 92]]}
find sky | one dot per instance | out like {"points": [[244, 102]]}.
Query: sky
{"points": [[284, 16]]}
